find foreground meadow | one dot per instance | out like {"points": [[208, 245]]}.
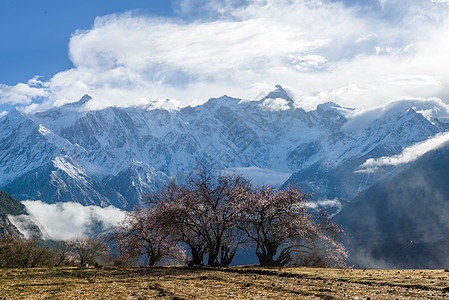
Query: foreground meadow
{"points": [[225, 283]]}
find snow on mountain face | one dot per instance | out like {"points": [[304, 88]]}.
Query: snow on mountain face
{"points": [[24, 146], [335, 175], [117, 155]]}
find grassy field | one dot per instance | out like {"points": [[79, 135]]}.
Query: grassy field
{"points": [[227, 283]]}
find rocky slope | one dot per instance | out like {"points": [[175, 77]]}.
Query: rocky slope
{"points": [[9, 206]]}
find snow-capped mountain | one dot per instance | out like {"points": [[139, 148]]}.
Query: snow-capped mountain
{"points": [[116, 155]]}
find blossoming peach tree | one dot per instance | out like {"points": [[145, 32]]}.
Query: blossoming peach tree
{"points": [[214, 216]]}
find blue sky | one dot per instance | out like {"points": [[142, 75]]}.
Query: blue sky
{"points": [[35, 34], [356, 53]]}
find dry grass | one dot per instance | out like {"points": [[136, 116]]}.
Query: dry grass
{"points": [[227, 283]]}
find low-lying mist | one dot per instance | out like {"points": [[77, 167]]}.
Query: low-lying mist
{"points": [[64, 221]]}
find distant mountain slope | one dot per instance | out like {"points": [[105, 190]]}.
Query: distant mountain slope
{"points": [[386, 136], [115, 156], [9, 206], [403, 221]]}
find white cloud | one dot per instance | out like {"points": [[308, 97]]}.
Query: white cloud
{"points": [[326, 204], [441, 1], [429, 108], [350, 93], [308, 62], [408, 155], [277, 104], [205, 8], [315, 48], [383, 2], [64, 221], [23, 93], [413, 80]]}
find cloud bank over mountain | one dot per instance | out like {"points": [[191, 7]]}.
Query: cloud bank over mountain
{"points": [[357, 55], [408, 155], [65, 221]]}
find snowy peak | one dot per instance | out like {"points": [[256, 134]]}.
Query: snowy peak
{"points": [[14, 119], [433, 110], [330, 115], [214, 103], [86, 98], [334, 107], [278, 93], [277, 100]]}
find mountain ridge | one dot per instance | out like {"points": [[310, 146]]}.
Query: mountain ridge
{"points": [[115, 156]]}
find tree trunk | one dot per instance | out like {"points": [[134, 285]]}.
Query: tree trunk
{"points": [[227, 255], [266, 256], [212, 260], [197, 257]]}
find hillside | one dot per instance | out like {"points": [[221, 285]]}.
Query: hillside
{"points": [[9, 206], [402, 221]]}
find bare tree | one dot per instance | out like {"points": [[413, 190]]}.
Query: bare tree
{"points": [[89, 250], [63, 254], [17, 252]]}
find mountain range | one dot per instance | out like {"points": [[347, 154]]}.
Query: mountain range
{"points": [[114, 156]]}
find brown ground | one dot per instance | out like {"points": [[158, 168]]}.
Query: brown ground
{"points": [[229, 283]]}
